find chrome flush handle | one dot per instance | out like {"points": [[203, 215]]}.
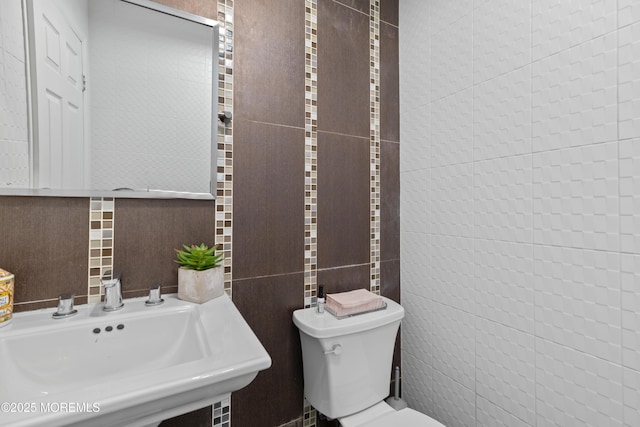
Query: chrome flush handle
{"points": [[336, 349]]}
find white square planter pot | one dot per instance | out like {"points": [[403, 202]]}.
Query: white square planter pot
{"points": [[200, 286]]}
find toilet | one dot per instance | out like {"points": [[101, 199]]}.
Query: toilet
{"points": [[347, 366]]}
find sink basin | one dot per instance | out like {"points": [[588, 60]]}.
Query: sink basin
{"points": [[134, 367]]}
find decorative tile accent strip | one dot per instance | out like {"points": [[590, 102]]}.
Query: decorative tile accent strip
{"points": [[222, 413], [224, 181], [100, 245], [310, 152], [374, 70], [310, 170], [310, 415]]}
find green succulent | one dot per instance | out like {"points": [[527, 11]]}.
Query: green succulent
{"points": [[199, 258]]}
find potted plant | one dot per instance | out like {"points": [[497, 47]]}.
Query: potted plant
{"points": [[201, 274]]}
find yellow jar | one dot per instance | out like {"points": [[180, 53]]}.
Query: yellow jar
{"points": [[6, 297]]}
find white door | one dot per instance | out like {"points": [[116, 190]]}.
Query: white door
{"points": [[59, 123]]}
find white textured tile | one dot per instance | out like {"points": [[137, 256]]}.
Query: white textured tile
{"points": [[628, 12], [453, 403], [631, 394], [577, 299], [630, 196], [415, 207], [629, 83], [489, 415], [630, 288], [502, 115], [560, 24], [446, 12], [451, 280], [501, 38], [415, 81], [452, 200], [575, 96], [417, 384], [452, 58], [453, 341], [575, 389], [504, 283], [415, 131], [575, 197], [416, 339], [452, 129], [503, 204], [505, 368], [414, 262]]}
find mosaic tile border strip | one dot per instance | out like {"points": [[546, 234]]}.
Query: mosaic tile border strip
{"points": [[101, 219], [310, 153], [224, 181], [374, 71], [310, 170], [309, 417], [221, 413]]}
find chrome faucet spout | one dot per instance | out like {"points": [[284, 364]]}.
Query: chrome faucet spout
{"points": [[113, 293]]}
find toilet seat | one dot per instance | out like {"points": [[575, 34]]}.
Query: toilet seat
{"points": [[383, 415], [405, 418]]}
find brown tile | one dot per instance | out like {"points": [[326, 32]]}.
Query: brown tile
{"points": [[28, 306], [345, 278], [390, 279], [269, 61], [294, 423], [343, 200], [45, 245], [389, 200], [276, 395], [389, 84], [389, 11], [145, 292], [343, 70], [199, 418], [268, 227], [361, 5], [147, 231]]}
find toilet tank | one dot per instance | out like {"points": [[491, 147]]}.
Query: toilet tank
{"points": [[347, 362]]}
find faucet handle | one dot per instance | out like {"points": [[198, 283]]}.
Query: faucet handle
{"points": [[155, 296], [65, 307], [116, 276]]}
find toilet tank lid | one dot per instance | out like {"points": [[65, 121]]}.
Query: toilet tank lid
{"points": [[326, 325]]}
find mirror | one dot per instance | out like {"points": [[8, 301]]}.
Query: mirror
{"points": [[122, 100]]}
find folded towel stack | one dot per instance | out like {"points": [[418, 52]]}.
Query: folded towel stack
{"points": [[353, 302]]}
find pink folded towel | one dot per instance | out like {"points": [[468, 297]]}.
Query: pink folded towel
{"points": [[353, 302]]}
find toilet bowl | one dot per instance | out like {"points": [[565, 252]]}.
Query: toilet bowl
{"points": [[383, 415], [347, 367]]}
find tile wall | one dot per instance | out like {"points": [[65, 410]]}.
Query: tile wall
{"points": [[520, 182], [261, 201]]}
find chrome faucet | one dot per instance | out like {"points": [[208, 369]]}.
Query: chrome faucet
{"points": [[65, 307], [113, 292]]}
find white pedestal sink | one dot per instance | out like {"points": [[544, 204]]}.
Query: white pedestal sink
{"points": [[134, 367]]}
